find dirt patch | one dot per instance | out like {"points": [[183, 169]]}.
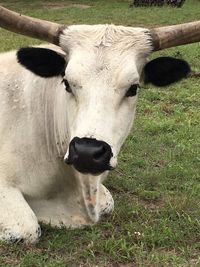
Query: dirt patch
{"points": [[62, 5], [8, 256], [54, 5], [81, 6]]}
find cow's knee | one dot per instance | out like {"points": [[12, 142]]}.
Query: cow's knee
{"points": [[21, 233], [17, 221]]}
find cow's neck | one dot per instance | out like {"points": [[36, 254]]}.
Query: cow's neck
{"points": [[47, 116]]}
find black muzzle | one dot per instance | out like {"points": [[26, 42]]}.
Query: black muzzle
{"points": [[89, 155]]}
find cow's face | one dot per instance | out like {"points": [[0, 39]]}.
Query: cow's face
{"points": [[101, 75], [102, 81], [101, 87]]}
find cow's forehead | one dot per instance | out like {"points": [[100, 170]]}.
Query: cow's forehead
{"points": [[105, 50], [118, 37], [100, 66]]}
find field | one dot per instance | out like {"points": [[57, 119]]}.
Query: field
{"points": [[156, 186]]}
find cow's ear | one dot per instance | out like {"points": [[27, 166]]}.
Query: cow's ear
{"points": [[163, 71], [41, 61]]}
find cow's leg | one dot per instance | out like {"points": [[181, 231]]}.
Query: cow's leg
{"points": [[17, 220], [106, 201], [68, 208]]}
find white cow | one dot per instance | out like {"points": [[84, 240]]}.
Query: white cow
{"points": [[65, 113]]}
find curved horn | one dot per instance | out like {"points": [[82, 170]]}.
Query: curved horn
{"points": [[169, 36], [32, 27]]}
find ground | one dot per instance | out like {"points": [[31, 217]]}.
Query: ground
{"points": [[156, 186]]}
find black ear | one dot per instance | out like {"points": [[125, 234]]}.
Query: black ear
{"points": [[163, 71], [41, 61]]}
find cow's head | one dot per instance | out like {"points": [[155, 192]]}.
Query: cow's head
{"points": [[100, 73]]}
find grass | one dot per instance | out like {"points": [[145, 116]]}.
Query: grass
{"points": [[156, 186]]}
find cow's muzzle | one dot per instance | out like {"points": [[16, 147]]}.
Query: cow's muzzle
{"points": [[89, 155]]}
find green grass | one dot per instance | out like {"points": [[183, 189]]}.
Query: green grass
{"points": [[156, 186]]}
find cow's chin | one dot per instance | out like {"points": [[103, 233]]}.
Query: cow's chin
{"points": [[96, 199]]}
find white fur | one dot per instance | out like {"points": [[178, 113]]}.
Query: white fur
{"points": [[38, 118]]}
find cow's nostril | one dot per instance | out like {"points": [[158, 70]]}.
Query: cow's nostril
{"points": [[89, 155]]}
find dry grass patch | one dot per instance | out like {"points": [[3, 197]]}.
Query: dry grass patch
{"points": [[59, 5]]}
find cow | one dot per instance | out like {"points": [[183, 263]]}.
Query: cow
{"points": [[66, 110]]}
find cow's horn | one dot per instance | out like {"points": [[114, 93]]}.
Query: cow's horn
{"points": [[32, 27], [170, 36]]}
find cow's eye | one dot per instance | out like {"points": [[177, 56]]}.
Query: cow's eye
{"points": [[132, 91], [67, 86]]}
